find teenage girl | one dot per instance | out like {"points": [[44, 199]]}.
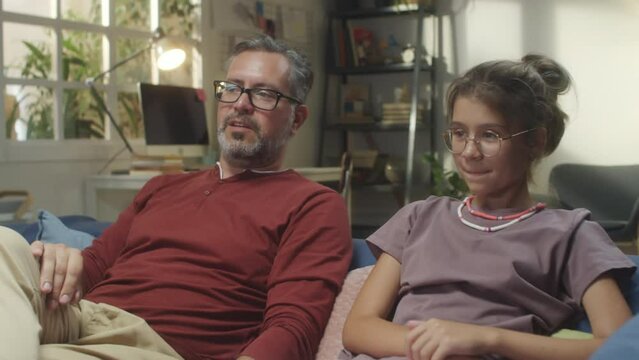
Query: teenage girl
{"points": [[493, 275]]}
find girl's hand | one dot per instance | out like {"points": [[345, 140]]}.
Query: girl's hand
{"points": [[440, 339]]}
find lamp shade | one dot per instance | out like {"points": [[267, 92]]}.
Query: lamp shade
{"points": [[169, 54]]}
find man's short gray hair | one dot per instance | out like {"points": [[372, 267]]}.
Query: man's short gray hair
{"points": [[301, 76]]}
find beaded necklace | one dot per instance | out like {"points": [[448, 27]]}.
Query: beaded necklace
{"points": [[515, 218]]}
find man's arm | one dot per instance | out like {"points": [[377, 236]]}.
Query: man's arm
{"points": [[66, 273], [104, 250], [306, 276]]}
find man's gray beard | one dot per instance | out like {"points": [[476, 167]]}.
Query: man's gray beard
{"points": [[255, 155]]}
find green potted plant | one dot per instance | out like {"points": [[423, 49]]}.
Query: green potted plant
{"points": [[444, 182]]}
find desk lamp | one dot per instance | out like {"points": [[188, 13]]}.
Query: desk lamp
{"points": [[169, 56]]}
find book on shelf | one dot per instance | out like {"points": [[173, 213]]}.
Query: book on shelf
{"points": [[152, 165], [155, 170], [142, 172], [356, 119], [341, 48], [399, 113], [156, 161], [340, 51], [400, 106], [352, 49], [394, 121]]}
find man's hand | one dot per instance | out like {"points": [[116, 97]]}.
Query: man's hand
{"points": [[440, 339], [60, 272]]}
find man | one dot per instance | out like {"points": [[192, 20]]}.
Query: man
{"points": [[242, 261]]}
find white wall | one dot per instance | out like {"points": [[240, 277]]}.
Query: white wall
{"points": [[597, 41]]}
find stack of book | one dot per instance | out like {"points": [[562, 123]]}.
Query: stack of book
{"points": [[399, 113], [155, 165]]}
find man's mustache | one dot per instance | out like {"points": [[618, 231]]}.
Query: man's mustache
{"points": [[244, 120]]}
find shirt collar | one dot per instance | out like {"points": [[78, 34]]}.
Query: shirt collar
{"points": [[219, 166]]}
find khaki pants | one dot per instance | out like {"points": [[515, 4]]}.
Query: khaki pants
{"points": [[85, 331]]}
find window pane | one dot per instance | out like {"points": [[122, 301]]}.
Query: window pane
{"points": [[81, 55], [31, 113], [130, 115], [11, 112], [133, 14], [45, 8], [82, 118], [28, 51], [82, 10], [181, 17], [138, 69]]}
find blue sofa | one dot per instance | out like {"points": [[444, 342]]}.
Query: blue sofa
{"points": [[622, 345], [51, 227]]}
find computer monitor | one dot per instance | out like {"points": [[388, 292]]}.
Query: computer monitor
{"points": [[174, 120]]}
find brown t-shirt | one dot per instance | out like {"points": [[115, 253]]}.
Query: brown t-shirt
{"points": [[529, 277]]}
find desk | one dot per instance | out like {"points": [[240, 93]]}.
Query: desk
{"points": [[106, 196]]}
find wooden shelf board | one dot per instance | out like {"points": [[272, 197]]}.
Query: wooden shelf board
{"points": [[377, 69], [408, 9], [375, 126]]}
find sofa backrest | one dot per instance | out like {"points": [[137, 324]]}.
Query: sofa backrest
{"points": [[362, 255], [609, 192]]}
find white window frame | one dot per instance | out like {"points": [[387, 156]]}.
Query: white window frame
{"points": [[72, 149]]}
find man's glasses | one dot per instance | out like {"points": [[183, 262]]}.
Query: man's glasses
{"points": [[488, 141], [265, 99]]}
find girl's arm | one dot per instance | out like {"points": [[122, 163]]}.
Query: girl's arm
{"points": [[366, 329], [437, 339]]}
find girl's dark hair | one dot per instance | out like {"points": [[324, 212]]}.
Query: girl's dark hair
{"points": [[522, 92]]}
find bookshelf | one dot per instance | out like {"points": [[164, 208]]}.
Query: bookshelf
{"points": [[365, 48]]}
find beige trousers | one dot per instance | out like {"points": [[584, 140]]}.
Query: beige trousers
{"points": [[28, 330]]}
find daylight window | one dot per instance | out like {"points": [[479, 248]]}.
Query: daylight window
{"points": [[50, 49]]}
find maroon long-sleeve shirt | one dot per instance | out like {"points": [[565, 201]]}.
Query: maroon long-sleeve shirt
{"points": [[246, 265]]}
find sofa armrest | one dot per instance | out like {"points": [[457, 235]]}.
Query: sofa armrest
{"points": [[622, 344], [629, 289]]}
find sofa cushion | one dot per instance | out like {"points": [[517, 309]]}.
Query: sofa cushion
{"points": [[331, 343], [53, 230], [49, 225]]}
